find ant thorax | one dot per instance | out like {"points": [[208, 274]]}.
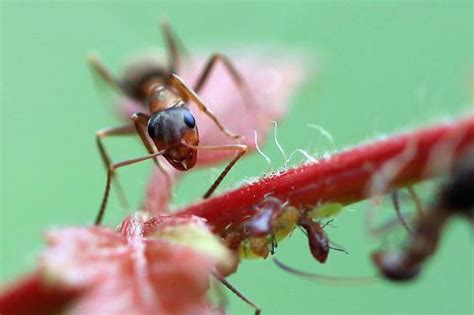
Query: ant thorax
{"points": [[161, 97]]}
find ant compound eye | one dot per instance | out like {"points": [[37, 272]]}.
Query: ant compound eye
{"points": [[189, 119]]}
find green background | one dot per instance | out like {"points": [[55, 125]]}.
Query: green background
{"points": [[386, 66]]}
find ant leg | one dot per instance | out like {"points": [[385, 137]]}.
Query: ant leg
{"points": [[236, 292], [189, 94], [112, 169], [396, 205], [231, 69], [101, 70], [118, 131], [140, 121], [173, 45], [416, 200], [241, 148], [274, 243], [219, 293], [323, 278]]}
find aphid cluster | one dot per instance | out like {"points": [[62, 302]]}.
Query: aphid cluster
{"points": [[273, 220]]}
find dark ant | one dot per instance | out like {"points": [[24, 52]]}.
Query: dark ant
{"points": [[454, 198], [170, 129]]}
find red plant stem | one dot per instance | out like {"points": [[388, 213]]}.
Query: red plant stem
{"points": [[33, 295], [344, 177]]}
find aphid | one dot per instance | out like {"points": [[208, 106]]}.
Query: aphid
{"points": [[455, 197], [264, 222], [274, 220], [169, 129], [258, 232], [317, 238]]}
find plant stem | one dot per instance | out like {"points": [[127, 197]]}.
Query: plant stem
{"points": [[345, 177], [348, 176], [33, 295]]}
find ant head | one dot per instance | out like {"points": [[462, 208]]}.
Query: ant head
{"points": [[393, 266], [171, 129]]}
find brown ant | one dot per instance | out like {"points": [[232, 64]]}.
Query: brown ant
{"points": [[169, 129], [454, 198]]}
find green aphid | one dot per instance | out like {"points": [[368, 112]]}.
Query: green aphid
{"points": [[326, 210]]}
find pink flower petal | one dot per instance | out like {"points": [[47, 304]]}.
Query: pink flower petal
{"points": [[139, 270]]}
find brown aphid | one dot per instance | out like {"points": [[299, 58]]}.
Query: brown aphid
{"points": [[168, 128], [317, 238]]}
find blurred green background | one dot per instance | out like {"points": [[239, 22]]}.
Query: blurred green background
{"points": [[386, 66]]}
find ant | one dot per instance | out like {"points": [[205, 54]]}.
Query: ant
{"points": [[169, 128], [454, 198]]}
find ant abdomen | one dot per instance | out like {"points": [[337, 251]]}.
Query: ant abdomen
{"points": [[139, 75]]}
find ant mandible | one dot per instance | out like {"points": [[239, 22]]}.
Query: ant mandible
{"points": [[170, 129]]}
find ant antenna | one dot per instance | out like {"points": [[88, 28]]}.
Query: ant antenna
{"points": [[323, 278], [280, 148], [339, 249], [334, 246], [328, 223], [269, 161], [416, 200], [396, 204]]}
